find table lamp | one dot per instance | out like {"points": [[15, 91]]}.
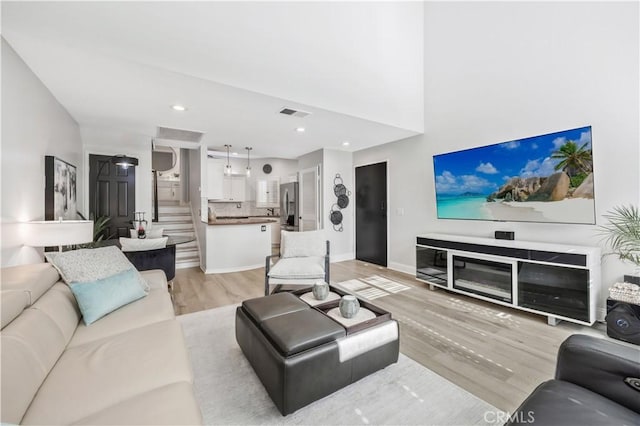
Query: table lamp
{"points": [[47, 233]]}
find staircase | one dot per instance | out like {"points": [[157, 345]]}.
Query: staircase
{"points": [[177, 221]]}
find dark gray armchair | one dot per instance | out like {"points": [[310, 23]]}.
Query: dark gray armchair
{"points": [[597, 383]]}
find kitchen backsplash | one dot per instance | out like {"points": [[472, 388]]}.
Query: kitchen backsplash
{"points": [[247, 208]]}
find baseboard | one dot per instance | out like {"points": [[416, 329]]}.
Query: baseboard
{"points": [[399, 267], [342, 257], [601, 313], [237, 269]]}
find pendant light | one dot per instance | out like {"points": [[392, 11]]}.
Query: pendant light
{"points": [[248, 148], [227, 168], [124, 161]]}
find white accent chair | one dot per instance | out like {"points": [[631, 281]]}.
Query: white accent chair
{"points": [[303, 260]]}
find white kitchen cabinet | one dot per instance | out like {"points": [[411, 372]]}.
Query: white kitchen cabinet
{"points": [[168, 190], [215, 179], [221, 187], [234, 189], [267, 193]]}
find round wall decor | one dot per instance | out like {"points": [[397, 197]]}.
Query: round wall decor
{"points": [[343, 201], [335, 215], [267, 168], [336, 218]]}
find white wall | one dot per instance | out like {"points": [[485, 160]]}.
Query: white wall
{"points": [[195, 185], [334, 161], [501, 71], [34, 124], [310, 159], [342, 243], [408, 185], [282, 169]]}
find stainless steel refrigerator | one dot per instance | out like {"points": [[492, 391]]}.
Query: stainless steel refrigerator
{"points": [[289, 207]]}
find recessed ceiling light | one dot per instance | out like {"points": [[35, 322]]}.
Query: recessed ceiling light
{"points": [[345, 143], [300, 129], [178, 107]]}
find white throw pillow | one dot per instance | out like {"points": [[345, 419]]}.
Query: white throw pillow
{"points": [[89, 265], [155, 232], [136, 244], [303, 244]]}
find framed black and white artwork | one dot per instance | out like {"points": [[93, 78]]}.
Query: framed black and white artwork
{"points": [[60, 189]]}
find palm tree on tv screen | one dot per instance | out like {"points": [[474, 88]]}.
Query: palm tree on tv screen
{"points": [[574, 160]]}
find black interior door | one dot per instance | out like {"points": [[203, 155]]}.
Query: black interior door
{"points": [[371, 213], [112, 193]]}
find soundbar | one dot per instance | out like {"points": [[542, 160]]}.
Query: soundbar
{"points": [[505, 235]]}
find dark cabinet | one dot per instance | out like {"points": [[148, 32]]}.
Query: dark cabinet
{"points": [[431, 265], [554, 289]]}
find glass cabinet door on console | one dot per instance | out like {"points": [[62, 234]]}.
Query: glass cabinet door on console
{"points": [[483, 277], [554, 289], [431, 265]]}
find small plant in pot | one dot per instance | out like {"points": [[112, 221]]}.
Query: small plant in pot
{"points": [[99, 230], [623, 234]]}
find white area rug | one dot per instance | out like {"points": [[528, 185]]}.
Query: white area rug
{"points": [[372, 287], [386, 284], [229, 392]]}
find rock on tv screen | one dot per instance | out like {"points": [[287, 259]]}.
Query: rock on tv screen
{"points": [[546, 178]]}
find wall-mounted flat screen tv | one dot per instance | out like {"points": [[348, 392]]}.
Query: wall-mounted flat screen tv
{"points": [[546, 178]]}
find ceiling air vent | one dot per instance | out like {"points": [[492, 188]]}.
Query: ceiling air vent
{"points": [[294, 112], [179, 135]]}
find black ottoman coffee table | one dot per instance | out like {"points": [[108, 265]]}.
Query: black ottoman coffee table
{"points": [[301, 355]]}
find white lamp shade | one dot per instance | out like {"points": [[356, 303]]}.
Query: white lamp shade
{"points": [[47, 233]]}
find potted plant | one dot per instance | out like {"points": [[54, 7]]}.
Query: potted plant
{"points": [[99, 230], [623, 233]]}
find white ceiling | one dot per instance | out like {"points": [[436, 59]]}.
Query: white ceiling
{"points": [[357, 67]]}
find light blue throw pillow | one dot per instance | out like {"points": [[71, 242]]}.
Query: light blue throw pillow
{"points": [[101, 297]]}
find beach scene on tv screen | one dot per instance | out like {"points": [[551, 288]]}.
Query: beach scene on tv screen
{"points": [[547, 178]]}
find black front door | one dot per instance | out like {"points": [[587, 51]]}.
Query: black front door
{"points": [[371, 213], [112, 193]]}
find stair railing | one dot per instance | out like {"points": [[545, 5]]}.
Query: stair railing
{"points": [[154, 217]]}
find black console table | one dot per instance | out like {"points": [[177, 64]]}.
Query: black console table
{"points": [[557, 280]]}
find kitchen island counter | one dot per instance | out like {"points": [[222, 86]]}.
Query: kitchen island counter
{"points": [[237, 244], [253, 220]]}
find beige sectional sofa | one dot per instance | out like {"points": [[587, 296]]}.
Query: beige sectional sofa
{"points": [[129, 367]]}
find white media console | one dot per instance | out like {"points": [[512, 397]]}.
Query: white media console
{"points": [[559, 281]]}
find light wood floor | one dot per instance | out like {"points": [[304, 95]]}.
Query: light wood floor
{"points": [[496, 353]]}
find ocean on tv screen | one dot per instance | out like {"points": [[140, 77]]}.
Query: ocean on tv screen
{"points": [[547, 178]]}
